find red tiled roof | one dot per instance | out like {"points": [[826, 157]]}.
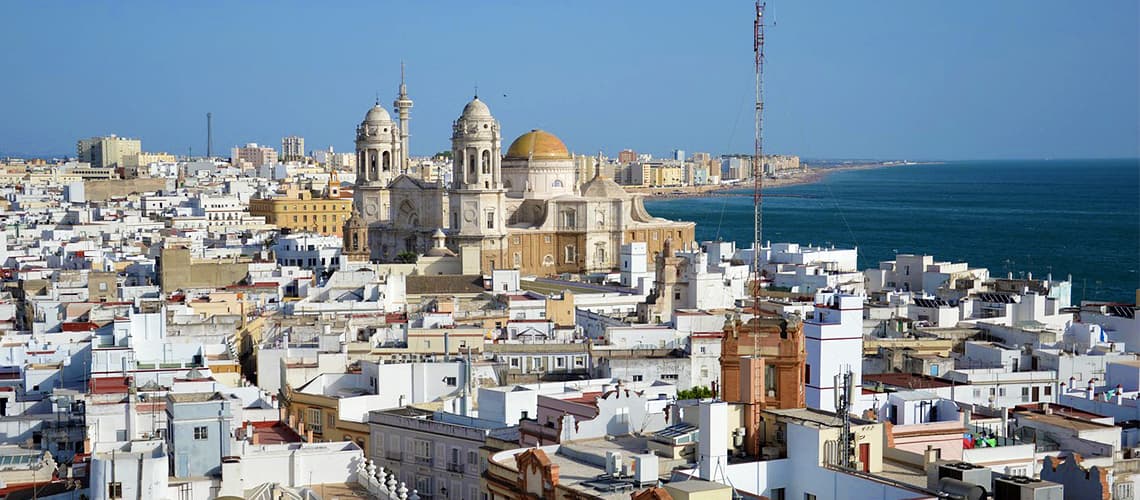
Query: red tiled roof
{"points": [[274, 433], [109, 385], [906, 380]]}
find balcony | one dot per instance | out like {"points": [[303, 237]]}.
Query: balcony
{"points": [[394, 455], [424, 460], [457, 468]]}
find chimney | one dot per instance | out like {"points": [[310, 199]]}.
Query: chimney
{"points": [[713, 448]]}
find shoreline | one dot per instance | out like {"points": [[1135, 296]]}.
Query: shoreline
{"points": [[810, 176]]}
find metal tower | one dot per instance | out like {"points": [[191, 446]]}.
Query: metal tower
{"points": [[758, 154], [209, 135]]}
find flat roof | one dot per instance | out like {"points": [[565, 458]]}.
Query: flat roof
{"points": [[905, 380], [194, 397], [821, 417], [1073, 423]]}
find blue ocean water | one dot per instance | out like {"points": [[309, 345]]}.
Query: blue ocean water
{"points": [[1078, 217]]}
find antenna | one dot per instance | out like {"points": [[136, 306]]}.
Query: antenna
{"points": [[758, 154], [209, 135]]}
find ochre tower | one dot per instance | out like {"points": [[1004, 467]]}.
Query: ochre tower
{"points": [[355, 246], [762, 366]]}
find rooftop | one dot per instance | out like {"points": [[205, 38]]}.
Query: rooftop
{"points": [[905, 381], [195, 397]]}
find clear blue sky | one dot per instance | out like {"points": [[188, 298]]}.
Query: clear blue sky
{"points": [[881, 79]]}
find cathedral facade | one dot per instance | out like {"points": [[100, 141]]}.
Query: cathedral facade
{"points": [[525, 209]]}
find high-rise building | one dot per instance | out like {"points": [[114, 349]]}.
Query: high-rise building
{"points": [[107, 151], [627, 156], [254, 155], [292, 148], [679, 154], [701, 157]]}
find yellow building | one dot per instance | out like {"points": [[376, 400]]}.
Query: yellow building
{"points": [[320, 415], [299, 210], [135, 161], [666, 175]]}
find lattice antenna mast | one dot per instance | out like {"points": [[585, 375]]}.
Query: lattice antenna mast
{"points": [[758, 154]]}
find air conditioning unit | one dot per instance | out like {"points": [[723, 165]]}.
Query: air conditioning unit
{"points": [[1026, 488], [962, 471], [613, 462]]}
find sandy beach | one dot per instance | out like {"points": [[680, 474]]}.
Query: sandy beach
{"points": [[808, 176]]}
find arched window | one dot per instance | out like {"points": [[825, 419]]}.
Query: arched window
{"points": [[471, 164], [518, 259], [387, 161], [557, 183], [548, 260], [372, 164], [486, 161]]}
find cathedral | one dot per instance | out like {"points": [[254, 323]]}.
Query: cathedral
{"points": [[524, 209]]}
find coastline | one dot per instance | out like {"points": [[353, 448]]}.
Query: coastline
{"points": [[809, 176]]}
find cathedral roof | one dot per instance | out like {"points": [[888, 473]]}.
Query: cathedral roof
{"points": [[377, 115], [538, 145], [603, 187], [476, 109]]}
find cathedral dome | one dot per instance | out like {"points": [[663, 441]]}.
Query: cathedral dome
{"points": [[476, 109], [538, 145], [377, 115], [603, 187]]}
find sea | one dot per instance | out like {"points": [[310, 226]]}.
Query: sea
{"points": [[1059, 217]]}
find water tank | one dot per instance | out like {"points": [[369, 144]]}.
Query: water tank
{"points": [[961, 489]]}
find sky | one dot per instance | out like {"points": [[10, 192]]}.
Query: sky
{"points": [[890, 79]]}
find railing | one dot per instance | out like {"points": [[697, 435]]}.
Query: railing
{"points": [[424, 460], [394, 455], [455, 468]]}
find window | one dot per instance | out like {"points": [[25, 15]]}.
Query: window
{"points": [[637, 378], [449, 381], [546, 239], [778, 494], [201, 433], [472, 457], [115, 490], [490, 219], [809, 496], [421, 448], [1024, 394], [313, 420], [571, 254], [331, 420], [669, 376], [569, 218], [514, 362], [770, 380], [559, 362], [1001, 392], [1048, 390]]}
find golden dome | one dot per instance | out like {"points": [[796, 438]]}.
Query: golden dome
{"points": [[538, 145]]}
